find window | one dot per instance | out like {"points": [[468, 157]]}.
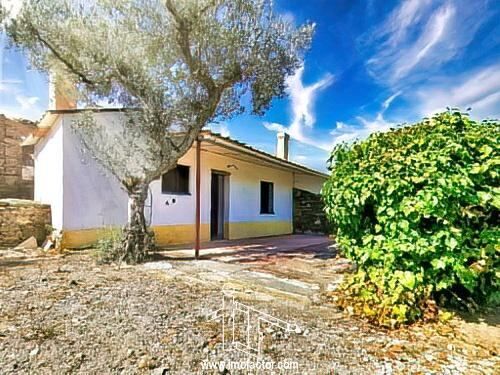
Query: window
{"points": [[176, 181], [266, 197]]}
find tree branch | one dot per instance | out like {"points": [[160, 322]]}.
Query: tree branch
{"points": [[66, 63], [194, 66]]}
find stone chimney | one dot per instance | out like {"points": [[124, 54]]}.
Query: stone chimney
{"points": [[62, 94], [282, 145]]}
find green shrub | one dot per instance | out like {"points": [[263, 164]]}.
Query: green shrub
{"points": [[109, 246], [417, 209]]}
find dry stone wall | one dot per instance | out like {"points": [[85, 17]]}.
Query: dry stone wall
{"points": [[21, 219], [308, 214], [16, 162]]}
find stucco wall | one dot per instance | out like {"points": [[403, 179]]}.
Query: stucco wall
{"points": [[49, 173], [93, 197], [244, 192], [244, 218], [85, 197], [309, 183]]}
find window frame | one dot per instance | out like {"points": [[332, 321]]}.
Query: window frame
{"points": [[272, 210], [169, 192]]}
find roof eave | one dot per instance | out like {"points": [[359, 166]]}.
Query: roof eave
{"points": [[238, 146]]}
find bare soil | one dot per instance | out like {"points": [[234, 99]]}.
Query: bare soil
{"points": [[66, 315]]}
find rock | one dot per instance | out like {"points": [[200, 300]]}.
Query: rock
{"points": [[34, 352], [29, 244], [162, 266], [47, 245], [146, 362]]}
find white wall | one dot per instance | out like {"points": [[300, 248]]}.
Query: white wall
{"points": [[48, 156], [244, 192], [170, 209], [310, 183], [92, 196]]}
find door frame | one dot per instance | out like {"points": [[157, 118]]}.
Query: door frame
{"points": [[222, 209]]}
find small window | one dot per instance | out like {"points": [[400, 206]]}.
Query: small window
{"points": [[266, 197], [176, 181]]}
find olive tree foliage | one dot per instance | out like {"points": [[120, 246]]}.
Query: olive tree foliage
{"points": [[171, 65]]}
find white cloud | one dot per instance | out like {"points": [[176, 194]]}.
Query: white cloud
{"points": [[221, 128], [396, 26], [27, 102], [417, 38], [350, 132], [275, 127], [389, 100], [433, 32], [479, 90], [302, 99]]}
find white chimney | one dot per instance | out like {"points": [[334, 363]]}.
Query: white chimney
{"points": [[62, 94], [282, 145]]}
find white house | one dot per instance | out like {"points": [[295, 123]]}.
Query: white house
{"points": [[243, 192]]}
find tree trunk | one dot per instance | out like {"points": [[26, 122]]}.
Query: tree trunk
{"points": [[137, 240]]}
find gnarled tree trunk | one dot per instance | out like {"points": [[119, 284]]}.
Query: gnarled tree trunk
{"points": [[137, 240]]}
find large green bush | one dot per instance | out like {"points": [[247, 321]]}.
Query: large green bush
{"points": [[417, 209]]}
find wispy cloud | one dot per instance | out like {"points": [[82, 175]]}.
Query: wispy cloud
{"points": [[302, 100], [363, 127], [417, 38], [397, 25], [479, 90], [27, 101], [434, 31]]}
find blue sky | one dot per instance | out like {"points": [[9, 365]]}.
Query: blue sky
{"points": [[373, 64]]}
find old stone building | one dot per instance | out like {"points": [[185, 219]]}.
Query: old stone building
{"points": [[16, 162]]}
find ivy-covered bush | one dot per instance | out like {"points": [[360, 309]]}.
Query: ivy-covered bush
{"points": [[417, 210]]}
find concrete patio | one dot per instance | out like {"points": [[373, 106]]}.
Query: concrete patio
{"points": [[256, 249], [293, 268]]}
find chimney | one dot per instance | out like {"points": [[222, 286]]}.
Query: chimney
{"points": [[282, 145], [62, 93]]}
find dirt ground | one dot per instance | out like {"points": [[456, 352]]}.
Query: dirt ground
{"points": [[65, 314]]}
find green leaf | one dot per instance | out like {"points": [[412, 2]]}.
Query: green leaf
{"points": [[485, 151], [453, 243], [407, 279], [404, 225], [484, 196], [438, 264]]}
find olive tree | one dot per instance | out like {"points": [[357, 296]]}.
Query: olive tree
{"points": [[171, 65]]}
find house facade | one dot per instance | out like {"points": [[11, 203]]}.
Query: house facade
{"points": [[242, 192]]}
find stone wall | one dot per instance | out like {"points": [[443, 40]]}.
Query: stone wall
{"points": [[308, 214], [21, 219], [16, 162]]}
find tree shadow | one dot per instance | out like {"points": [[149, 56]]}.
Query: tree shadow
{"points": [[489, 316], [252, 252]]}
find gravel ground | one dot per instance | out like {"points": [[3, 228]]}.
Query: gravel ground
{"points": [[61, 315]]}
